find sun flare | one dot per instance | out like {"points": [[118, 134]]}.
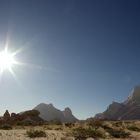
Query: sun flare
{"points": [[6, 60]]}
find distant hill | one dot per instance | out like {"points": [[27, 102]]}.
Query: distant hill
{"points": [[127, 110], [48, 112]]}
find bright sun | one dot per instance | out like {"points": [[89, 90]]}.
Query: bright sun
{"points": [[6, 60]]}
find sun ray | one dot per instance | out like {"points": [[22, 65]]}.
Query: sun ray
{"points": [[34, 66], [14, 76]]}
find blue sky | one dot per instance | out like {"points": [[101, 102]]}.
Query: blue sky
{"points": [[80, 53]]}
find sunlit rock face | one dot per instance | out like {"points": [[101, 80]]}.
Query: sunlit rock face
{"points": [[134, 97], [49, 113], [127, 110]]}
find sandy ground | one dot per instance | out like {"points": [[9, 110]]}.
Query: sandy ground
{"points": [[20, 134]]}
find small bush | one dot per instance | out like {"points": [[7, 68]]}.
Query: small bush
{"points": [[19, 123], [35, 133], [6, 127], [28, 123], [58, 128], [55, 122], [82, 134], [118, 133], [134, 128], [95, 123], [107, 125], [120, 124], [70, 125]]}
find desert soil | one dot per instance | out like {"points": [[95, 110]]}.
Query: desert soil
{"points": [[53, 133], [20, 134]]}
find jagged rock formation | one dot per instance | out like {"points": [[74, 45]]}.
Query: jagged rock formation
{"points": [[68, 115], [128, 110], [6, 115], [49, 113]]}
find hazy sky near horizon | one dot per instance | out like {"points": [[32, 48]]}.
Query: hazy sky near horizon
{"points": [[80, 53]]}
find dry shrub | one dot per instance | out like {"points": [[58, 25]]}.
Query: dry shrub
{"points": [[6, 127], [82, 134], [36, 133], [118, 133], [133, 128], [95, 123]]}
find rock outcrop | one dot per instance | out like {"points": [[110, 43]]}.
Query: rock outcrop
{"points": [[31, 115], [6, 115], [22, 118], [127, 110]]}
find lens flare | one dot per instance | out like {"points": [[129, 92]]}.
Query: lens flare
{"points": [[7, 60]]}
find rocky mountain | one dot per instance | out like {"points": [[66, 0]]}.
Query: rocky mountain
{"points": [[48, 112], [127, 110]]}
